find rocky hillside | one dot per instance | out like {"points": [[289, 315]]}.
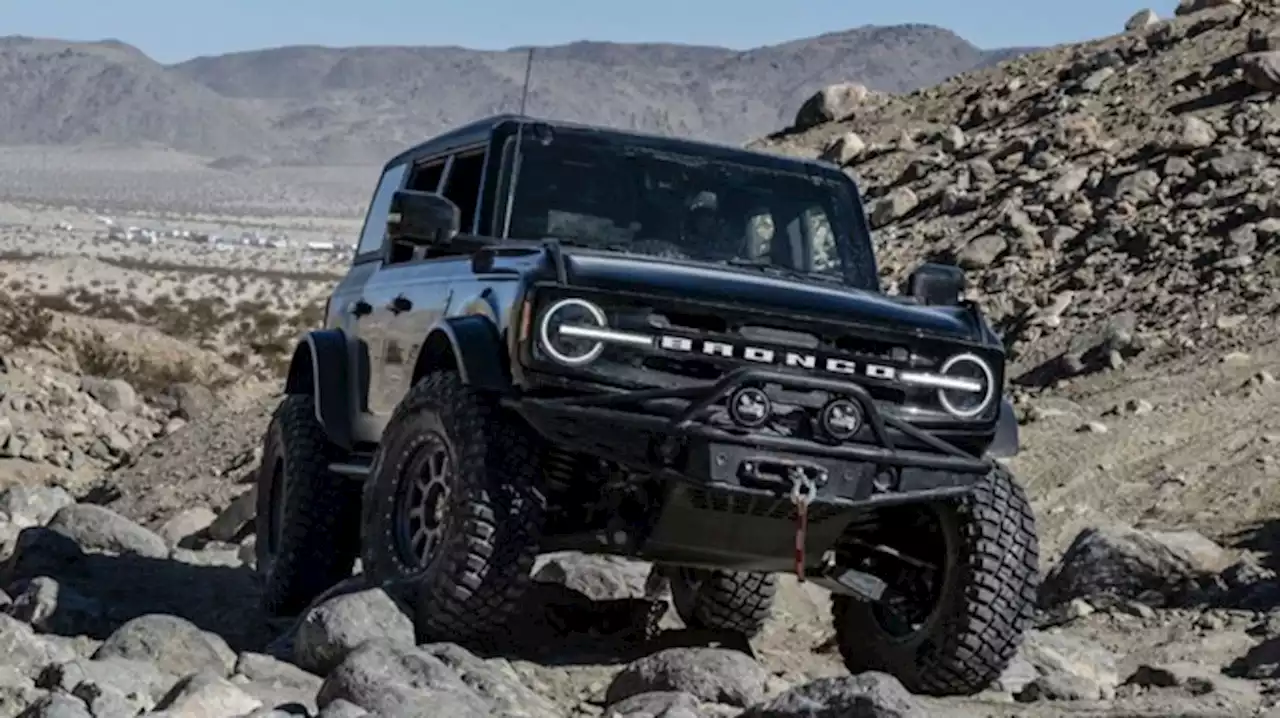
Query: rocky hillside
{"points": [[127, 588], [1109, 199], [351, 106]]}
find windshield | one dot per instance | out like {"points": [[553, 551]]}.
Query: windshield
{"points": [[601, 193]]}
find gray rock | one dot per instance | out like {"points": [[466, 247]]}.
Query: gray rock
{"points": [[191, 402], [17, 691], [264, 668], [1122, 562], [26, 506], [1142, 20], [98, 528], [279, 712], [112, 394], [235, 517], [1187, 7], [26, 652], [714, 675], [1194, 134], [831, 103], [982, 252], [1068, 668], [57, 705], [328, 632], [53, 608], [169, 641], [186, 523], [229, 558], [844, 149], [495, 681], [108, 702], [664, 704], [866, 695], [275, 682], [208, 695], [894, 206], [342, 709], [600, 578], [395, 681], [143, 679]]}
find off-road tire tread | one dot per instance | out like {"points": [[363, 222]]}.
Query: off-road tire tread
{"points": [[486, 567], [999, 581], [320, 539], [733, 601]]}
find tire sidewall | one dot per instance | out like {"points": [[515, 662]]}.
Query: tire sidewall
{"points": [[267, 536]]}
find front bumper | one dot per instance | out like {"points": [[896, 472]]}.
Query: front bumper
{"points": [[667, 432]]}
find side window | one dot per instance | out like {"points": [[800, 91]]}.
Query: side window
{"points": [[462, 186], [426, 177], [375, 222], [822, 241]]}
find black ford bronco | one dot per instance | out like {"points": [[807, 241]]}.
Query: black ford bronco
{"points": [[557, 337]]}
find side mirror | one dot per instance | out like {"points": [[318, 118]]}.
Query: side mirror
{"points": [[422, 218], [933, 284]]}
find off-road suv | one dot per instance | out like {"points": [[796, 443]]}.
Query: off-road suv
{"points": [[558, 337]]}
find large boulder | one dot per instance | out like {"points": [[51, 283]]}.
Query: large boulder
{"points": [[1125, 563], [832, 102]]}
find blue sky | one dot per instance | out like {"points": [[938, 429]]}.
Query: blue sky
{"points": [[173, 30]]}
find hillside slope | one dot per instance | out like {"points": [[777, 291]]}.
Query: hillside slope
{"points": [[1109, 198], [355, 105]]}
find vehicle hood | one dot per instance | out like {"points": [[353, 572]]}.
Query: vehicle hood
{"points": [[747, 289]]}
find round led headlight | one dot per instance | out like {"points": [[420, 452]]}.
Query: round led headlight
{"points": [[975, 386], [555, 331]]}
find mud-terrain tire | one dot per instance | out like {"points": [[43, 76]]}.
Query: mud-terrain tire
{"points": [[717, 600], [308, 519], [986, 602], [472, 475]]}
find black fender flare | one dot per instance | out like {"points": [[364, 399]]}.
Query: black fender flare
{"points": [[320, 368], [472, 346], [1005, 442]]}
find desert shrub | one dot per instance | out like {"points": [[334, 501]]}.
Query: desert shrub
{"points": [[24, 321]]}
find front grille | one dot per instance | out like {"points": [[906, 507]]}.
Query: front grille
{"points": [[743, 328], [697, 344]]}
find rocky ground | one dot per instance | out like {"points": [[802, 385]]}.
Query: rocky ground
{"points": [[1114, 203]]}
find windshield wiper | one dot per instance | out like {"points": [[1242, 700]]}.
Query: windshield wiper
{"points": [[774, 269]]}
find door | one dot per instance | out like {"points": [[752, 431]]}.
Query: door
{"points": [[411, 291], [350, 309]]}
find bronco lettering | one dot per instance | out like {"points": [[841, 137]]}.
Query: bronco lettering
{"points": [[765, 355]]}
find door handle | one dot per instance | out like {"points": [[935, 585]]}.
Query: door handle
{"points": [[360, 308], [399, 304]]}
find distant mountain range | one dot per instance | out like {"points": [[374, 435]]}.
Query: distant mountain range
{"points": [[318, 105]]}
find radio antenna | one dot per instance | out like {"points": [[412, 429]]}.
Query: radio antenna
{"points": [[515, 155], [528, 72]]}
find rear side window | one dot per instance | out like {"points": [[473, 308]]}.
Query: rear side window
{"points": [[375, 222]]}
